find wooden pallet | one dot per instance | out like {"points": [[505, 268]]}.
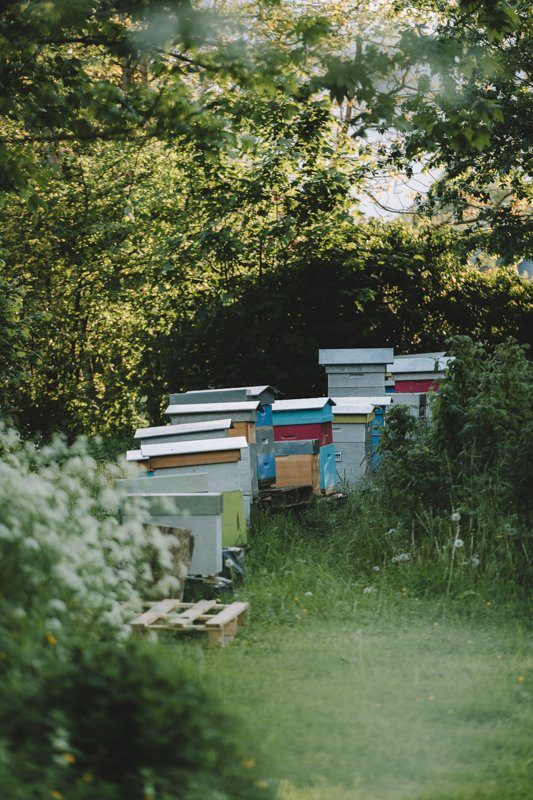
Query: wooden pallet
{"points": [[219, 621], [285, 496]]}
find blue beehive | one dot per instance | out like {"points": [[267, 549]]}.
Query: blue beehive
{"points": [[308, 411], [328, 468], [302, 412]]}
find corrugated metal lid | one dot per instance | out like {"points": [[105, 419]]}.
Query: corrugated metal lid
{"points": [[135, 455], [251, 391], [364, 355], [440, 354], [196, 446], [209, 408], [302, 404], [190, 427], [418, 364]]}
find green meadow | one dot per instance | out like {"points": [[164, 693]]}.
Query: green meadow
{"points": [[391, 699]]}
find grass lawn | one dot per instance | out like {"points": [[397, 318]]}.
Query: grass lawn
{"points": [[404, 703]]}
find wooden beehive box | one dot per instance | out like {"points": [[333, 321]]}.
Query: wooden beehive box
{"points": [[298, 470]]}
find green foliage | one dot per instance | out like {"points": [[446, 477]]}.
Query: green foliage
{"points": [[113, 722], [84, 710], [64, 555]]}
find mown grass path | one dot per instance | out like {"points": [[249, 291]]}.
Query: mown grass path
{"points": [[408, 705]]}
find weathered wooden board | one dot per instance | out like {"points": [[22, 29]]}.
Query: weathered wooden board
{"points": [[192, 459], [298, 471], [246, 429]]}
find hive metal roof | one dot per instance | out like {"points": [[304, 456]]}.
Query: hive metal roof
{"points": [[418, 364], [363, 355], [191, 427], [209, 408], [251, 391], [197, 446], [302, 404], [135, 455]]}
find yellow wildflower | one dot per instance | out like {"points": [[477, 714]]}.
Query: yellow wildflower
{"points": [[521, 678], [56, 795], [249, 763], [69, 758], [262, 784], [51, 639], [88, 778]]}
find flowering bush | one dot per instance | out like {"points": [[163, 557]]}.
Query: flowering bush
{"points": [[63, 549], [86, 711]]}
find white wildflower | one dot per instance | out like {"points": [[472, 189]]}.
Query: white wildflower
{"points": [[376, 568], [369, 589], [455, 517], [308, 594], [458, 543], [475, 561], [401, 557], [57, 605]]}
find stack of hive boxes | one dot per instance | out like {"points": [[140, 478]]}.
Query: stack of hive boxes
{"points": [[236, 504], [357, 372], [356, 381], [261, 439], [352, 437], [413, 376], [304, 443]]}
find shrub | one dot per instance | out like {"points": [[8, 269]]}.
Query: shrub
{"points": [[112, 722], [63, 550]]}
